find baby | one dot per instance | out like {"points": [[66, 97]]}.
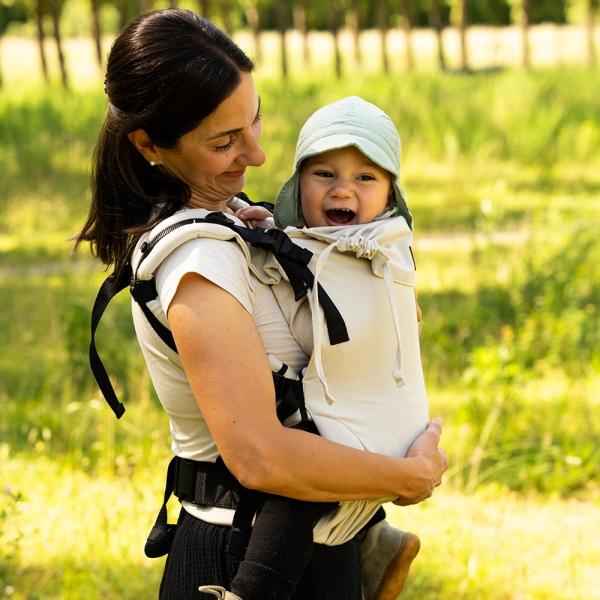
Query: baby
{"points": [[344, 203]]}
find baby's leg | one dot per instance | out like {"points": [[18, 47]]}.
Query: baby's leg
{"points": [[279, 550], [387, 554]]}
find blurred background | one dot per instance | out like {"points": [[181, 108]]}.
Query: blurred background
{"points": [[498, 106]]}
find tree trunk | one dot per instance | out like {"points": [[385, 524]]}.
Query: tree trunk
{"points": [[253, 18], [226, 8], [590, 26], [335, 32], [39, 18], [97, 34], [407, 26], [147, 6], [172, 3], [435, 20], [55, 16], [463, 25], [299, 16], [203, 7], [354, 25], [525, 18], [382, 24], [281, 28], [123, 17], [1, 80]]}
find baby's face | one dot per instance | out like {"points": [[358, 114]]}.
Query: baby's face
{"points": [[343, 187]]}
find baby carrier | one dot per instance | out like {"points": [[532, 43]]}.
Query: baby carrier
{"points": [[205, 483], [368, 393]]}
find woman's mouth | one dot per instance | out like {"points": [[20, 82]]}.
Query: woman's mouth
{"points": [[340, 216], [237, 173]]}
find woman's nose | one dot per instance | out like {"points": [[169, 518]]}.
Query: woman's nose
{"points": [[253, 155]]}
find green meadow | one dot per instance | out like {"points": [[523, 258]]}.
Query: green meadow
{"points": [[502, 172]]}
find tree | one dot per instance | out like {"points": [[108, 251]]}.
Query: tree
{"points": [[55, 9], [407, 13], [281, 18], [252, 15], [38, 8], [460, 17], [52, 9], [353, 22], [11, 11], [435, 21], [334, 27], [96, 30], [204, 7], [525, 20], [128, 10], [591, 8], [383, 17], [225, 12], [464, 24], [300, 18]]}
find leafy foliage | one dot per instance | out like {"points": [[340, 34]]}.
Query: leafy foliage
{"points": [[11, 11]]}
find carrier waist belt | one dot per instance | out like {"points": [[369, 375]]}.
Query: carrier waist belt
{"points": [[205, 483]]}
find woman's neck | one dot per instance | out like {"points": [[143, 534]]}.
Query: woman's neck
{"points": [[210, 204]]}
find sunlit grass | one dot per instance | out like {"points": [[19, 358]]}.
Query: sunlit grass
{"points": [[81, 536]]}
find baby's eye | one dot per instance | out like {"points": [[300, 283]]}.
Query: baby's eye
{"points": [[322, 173], [226, 146], [366, 177]]}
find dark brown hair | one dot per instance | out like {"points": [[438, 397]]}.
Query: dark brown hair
{"points": [[166, 71]]}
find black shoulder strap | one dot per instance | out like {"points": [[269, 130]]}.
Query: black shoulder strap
{"points": [[109, 289]]}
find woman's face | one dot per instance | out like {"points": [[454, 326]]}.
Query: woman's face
{"points": [[212, 158]]}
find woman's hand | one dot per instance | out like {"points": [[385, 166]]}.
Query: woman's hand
{"points": [[430, 464]]}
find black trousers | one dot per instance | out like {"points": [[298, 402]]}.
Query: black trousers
{"points": [[199, 557]]}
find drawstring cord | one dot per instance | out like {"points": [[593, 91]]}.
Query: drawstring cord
{"points": [[362, 248], [317, 323], [397, 373]]}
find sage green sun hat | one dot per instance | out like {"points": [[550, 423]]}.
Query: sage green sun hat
{"points": [[351, 121]]}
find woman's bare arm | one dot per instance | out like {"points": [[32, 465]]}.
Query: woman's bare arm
{"points": [[225, 361]]}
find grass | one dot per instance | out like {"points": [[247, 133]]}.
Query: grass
{"points": [[83, 539], [502, 176]]}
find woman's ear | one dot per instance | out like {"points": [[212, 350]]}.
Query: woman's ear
{"points": [[144, 145]]}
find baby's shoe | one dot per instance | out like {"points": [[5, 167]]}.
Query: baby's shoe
{"points": [[387, 554], [219, 592]]}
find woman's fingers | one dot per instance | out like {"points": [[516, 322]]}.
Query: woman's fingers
{"points": [[435, 427]]}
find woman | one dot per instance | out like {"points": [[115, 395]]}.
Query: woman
{"points": [[182, 127]]}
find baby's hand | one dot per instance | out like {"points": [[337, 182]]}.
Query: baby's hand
{"points": [[255, 216]]}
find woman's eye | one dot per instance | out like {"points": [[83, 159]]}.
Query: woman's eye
{"points": [[226, 146], [258, 117]]}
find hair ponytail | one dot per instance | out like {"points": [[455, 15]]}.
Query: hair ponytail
{"points": [[166, 72]]}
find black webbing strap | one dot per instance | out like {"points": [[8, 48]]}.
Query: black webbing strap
{"points": [[205, 484], [111, 287], [161, 537], [289, 397]]}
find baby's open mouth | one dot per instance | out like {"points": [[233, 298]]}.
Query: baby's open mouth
{"points": [[341, 216]]}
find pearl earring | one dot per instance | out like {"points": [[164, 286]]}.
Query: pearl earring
{"points": [[152, 163]]}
